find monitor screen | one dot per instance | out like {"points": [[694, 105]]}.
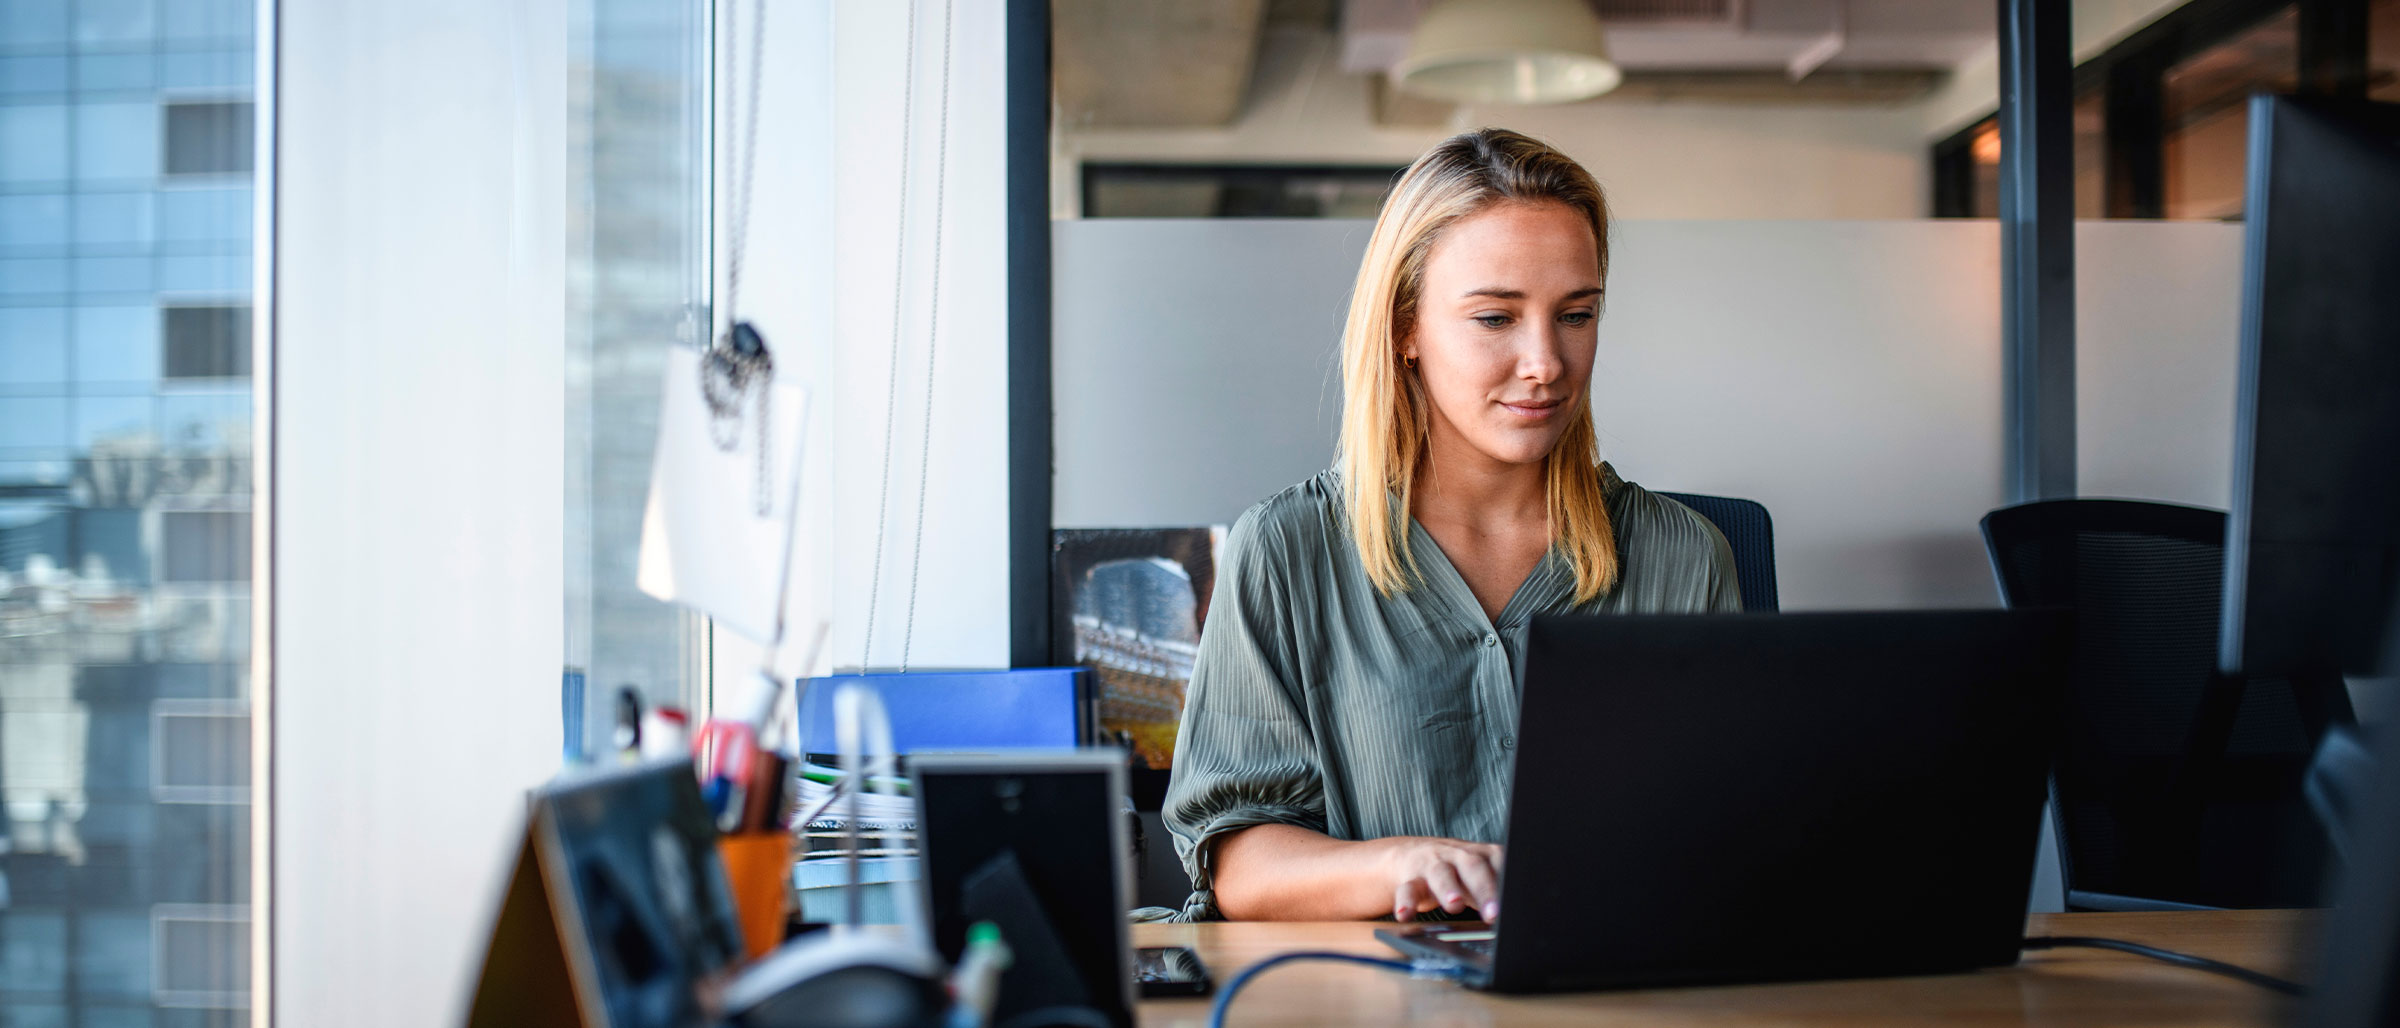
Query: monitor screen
{"points": [[1035, 843], [2312, 544]]}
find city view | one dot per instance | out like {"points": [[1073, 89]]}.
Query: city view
{"points": [[126, 490]]}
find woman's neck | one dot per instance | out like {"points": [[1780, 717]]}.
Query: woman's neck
{"points": [[1459, 485]]}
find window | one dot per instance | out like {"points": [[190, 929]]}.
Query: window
{"points": [[2162, 118], [2206, 116], [125, 491], [208, 138], [638, 274], [204, 546], [205, 342], [1233, 191], [1967, 168], [200, 751]]}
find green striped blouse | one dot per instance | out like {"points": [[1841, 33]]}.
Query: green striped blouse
{"points": [[1317, 702]]}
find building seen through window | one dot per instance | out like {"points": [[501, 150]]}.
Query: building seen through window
{"points": [[638, 285], [126, 491]]}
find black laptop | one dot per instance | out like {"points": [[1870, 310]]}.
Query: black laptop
{"points": [[1750, 798]]}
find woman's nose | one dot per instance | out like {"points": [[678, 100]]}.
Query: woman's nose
{"points": [[1542, 357]]}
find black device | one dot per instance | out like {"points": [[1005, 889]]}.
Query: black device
{"points": [[1762, 797], [1034, 842], [619, 915], [646, 892], [1170, 972], [2312, 548], [2359, 950], [2358, 953]]}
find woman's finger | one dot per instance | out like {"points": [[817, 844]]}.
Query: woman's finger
{"points": [[1443, 880], [1409, 898], [1481, 880]]}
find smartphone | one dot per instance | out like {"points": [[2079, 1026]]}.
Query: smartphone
{"points": [[1167, 971]]}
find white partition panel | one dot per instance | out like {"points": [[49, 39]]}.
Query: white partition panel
{"points": [[419, 434], [2157, 347], [1845, 374], [1193, 363]]}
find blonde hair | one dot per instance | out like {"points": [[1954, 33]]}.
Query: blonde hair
{"points": [[1385, 411]]}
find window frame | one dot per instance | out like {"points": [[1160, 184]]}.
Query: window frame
{"points": [[2130, 77]]}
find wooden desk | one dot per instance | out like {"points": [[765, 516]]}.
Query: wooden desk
{"points": [[2052, 987]]}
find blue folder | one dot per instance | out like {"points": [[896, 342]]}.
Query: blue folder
{"points": [[962, 710]]}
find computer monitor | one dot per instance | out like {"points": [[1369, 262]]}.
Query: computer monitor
{"points": [[1034, 842], [2358, 952], [2312, 548]]}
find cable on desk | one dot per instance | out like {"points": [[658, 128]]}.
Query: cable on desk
{"points": [[1420, 969], [2264, 981]]}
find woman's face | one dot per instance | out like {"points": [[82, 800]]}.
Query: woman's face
{"points": [[1506, 325]]}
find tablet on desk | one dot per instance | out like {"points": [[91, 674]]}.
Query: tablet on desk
{"points": [[618, 913]]}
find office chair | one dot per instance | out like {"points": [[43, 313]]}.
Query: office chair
{"points": [[2145, 819], [1751, 533]]}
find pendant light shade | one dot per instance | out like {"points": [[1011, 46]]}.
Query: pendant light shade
{"points": [[1508, 51]]}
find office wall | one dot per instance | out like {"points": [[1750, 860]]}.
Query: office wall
{"points": [[1657, 159], [1846, 374], [418, 414]]}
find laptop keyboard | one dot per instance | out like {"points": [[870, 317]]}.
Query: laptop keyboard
{"points": [[1477, 941]]}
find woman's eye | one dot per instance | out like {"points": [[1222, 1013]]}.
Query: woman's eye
{"points": [[1493, 320], [1577, 319]]}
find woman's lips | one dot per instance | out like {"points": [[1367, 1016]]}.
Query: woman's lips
{"points": [[1532, 409]]}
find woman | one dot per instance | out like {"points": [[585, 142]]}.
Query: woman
{"points": [[1345, 746]]}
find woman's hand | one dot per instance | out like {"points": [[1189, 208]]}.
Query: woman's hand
{"points": [[1289, 873], [1430, 873]]}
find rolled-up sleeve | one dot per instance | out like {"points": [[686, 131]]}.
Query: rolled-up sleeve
{"points": [[1244, 753]]}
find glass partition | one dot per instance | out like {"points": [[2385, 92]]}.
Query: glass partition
{"points": [[2206, 129]]}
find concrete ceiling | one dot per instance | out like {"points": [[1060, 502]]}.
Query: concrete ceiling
{"points": [[1188, 63]]}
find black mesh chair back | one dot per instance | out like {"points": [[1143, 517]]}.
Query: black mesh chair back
{"points": [[2147, 817], [1751, 533]]}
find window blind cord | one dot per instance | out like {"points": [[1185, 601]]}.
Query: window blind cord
{"points": [[891, 378], [746, 163], [2264, 981], [933, 335], [741, 354]]}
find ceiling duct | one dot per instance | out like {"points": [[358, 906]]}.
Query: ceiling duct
{"points": [[1153, 63]]}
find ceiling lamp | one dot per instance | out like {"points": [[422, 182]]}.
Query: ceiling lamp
{"points": [[1508, 51]]}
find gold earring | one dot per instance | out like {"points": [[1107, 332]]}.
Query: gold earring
{"points": [[1409, 360]]}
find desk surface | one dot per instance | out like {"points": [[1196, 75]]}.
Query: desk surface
{"points": [[2054, 987]]}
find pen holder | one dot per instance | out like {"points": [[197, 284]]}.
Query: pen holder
{"points": [[758, 865]]}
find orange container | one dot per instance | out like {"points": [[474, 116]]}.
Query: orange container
{"points": [[759, 867]]}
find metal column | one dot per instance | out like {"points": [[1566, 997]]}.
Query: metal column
{"points": [[2037, 249], [1029, 461]]}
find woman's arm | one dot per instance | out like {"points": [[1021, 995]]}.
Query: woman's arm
{"points": [[1288, 873]]}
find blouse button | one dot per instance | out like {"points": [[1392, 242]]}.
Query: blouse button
{"points": [[1490, 639]]}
